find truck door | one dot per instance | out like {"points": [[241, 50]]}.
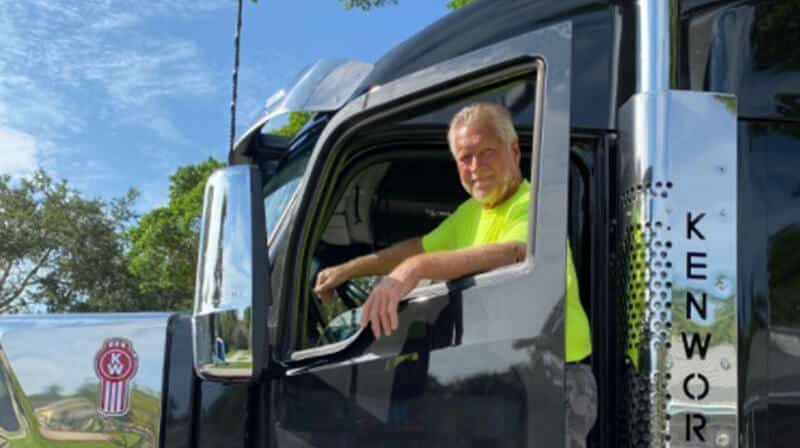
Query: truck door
{"points": [[475, 361]]}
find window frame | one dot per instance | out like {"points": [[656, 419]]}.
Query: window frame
{"points": [[547, 54]]}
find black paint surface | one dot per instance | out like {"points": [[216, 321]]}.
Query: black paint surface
{"points": [[222, 419], [748, 48], [486, 22], [179, 380], [769, 272]]}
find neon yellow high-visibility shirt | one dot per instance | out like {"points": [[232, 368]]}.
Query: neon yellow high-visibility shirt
{"points": [[472, 225]]}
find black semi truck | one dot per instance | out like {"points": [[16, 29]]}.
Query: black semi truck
{"points": [[661, 139]]}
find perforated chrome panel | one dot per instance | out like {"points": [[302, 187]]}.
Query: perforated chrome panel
{"points": [[676, 264]]}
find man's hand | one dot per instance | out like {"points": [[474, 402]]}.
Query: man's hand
{"points": [[328, 280], [379, 263], [380, 309]]}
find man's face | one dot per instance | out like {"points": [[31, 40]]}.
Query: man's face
{"points": [[487, 165]]}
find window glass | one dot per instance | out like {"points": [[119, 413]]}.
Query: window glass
{"points": [[281, 188], [282, 184]]}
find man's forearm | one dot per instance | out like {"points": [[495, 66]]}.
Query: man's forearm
{"points": [[383, 261], [380, 309], [450, 265]]}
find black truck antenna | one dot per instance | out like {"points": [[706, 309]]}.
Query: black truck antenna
{"points": [[235, 73]]}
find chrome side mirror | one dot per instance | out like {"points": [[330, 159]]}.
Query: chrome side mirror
{"points": [[229, 320]]}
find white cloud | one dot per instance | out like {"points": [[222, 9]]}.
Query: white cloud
{"points": [[25, 104], [54, 52], [18, 152], [155, 69], [116, 21], [83, 81], [164, 129]]}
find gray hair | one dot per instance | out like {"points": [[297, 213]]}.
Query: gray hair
{"points": [[474, 113]]}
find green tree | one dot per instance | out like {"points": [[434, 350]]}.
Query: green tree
{"points": [[366, 5], [455, 4], [296, 120], [164, 243], [776, 26], [59, 250]]}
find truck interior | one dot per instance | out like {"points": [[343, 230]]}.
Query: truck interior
{"points": [[406, 191]]}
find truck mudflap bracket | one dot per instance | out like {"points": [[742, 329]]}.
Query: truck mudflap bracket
{"points": [[676, 256]]}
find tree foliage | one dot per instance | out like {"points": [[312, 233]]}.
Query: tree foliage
{"points": [[58, 250], [775, 28], [62, 252], [455, 4], [296, 121], [164, 243], [366, 5]]}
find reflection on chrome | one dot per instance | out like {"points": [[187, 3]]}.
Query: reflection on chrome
{"points": [[325, 85], [678, 253], [49, 392], [655, 70], [222, 322]]}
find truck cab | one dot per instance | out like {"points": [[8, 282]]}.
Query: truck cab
{"points": [[658, 140]]}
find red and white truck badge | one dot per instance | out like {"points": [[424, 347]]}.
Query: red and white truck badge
{"points": [[115, 365]]}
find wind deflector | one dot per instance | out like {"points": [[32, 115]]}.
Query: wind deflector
{"points": [[323, 86]]}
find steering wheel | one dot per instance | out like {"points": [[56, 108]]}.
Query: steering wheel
{"points": [[347, 322], [352, 294]]}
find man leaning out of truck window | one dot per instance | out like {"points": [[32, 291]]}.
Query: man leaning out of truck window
{"points": [[487, 231]]}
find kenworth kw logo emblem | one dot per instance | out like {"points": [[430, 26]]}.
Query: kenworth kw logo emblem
{"points": [[115, 365]]}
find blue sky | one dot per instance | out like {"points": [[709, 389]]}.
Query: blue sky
{"points": [[114, 94]]}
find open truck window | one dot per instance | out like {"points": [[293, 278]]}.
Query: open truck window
{"points": [[399, 181]]}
